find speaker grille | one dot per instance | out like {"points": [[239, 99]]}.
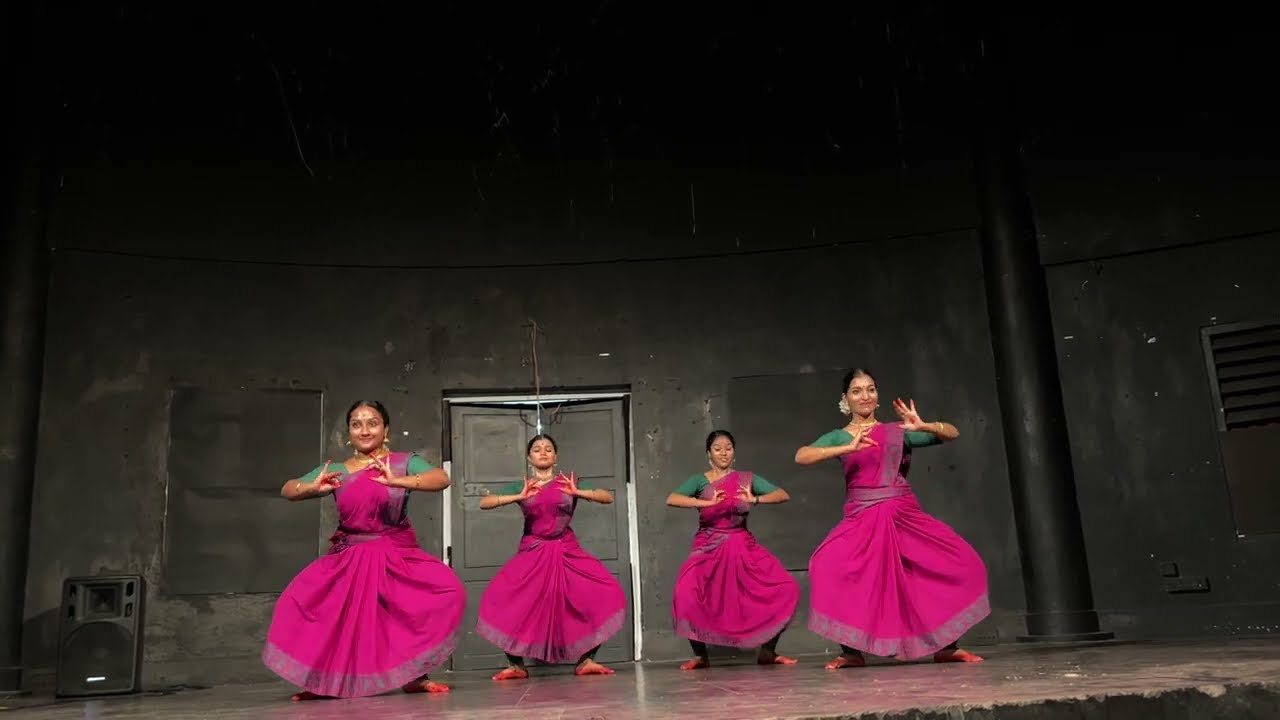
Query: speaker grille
{"points": [[99, 659], [101, 636]]}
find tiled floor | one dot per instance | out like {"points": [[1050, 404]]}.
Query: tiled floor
{"points": [[1010, 675]]}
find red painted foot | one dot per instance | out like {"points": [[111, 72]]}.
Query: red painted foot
{"points": [[775, 659], [956, 655], [847, 661], [306, 695], [512, 673], [425, 686], [591, 667], [697, 663]]}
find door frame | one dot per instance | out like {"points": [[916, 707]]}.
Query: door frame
{"points": [[516, 399]]}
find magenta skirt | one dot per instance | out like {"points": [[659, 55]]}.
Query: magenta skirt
{"points": [[551, 602], [732, 592], [895, 582], [366, 619]]}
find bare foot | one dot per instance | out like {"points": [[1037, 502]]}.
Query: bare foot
{"points": [[425, 686], [769, 658], [307, 695], [512, 673], [697, 663], [591, 667], [955, 655], [847, 661]]}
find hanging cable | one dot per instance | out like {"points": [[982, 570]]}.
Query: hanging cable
{"points": [[537, 376]]}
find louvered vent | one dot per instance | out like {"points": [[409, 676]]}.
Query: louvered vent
{"points": [[1244, 362]]}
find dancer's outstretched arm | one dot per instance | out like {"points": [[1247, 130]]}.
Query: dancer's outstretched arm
{"points": [[317, 483]]}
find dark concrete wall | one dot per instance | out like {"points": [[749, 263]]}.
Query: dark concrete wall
{"points": [[1144, 438], [1152, 170], [450, 180], [127, 330], [547, 142]]}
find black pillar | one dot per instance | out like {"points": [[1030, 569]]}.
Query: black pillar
{"points": [[1055, 569], [23, 288]]}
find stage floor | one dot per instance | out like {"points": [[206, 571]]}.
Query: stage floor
{"points": [[1012, 678]]}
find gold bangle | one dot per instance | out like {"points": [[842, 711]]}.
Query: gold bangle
{"points": [[940, 428]]}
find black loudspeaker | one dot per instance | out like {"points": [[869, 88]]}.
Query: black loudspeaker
{"points": [[100, 636]]}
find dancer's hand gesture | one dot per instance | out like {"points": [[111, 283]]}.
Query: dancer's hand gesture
{"points": [[327, 481], [717, 496], [529, 490], [861, 439], [746, 496], [910, 418], [569, 485], [384, 475]]}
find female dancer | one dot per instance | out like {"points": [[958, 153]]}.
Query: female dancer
{"points": [[552, 602], [376, 612], [889, 579], [731, 591]]}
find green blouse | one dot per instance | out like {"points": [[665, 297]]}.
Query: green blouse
{"points": [[693, 486], [912, 439], [515, 486], [416, 466]]}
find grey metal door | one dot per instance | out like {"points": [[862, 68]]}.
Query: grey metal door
{"points": [[488, 451]]}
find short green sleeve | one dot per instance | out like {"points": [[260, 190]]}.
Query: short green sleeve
{"points": [[417, 465], [692, 486], [916, 439], [835, 438], [315, 473], [760, 486]]}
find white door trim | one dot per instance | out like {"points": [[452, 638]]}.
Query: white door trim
{"points": [[633, 534]]}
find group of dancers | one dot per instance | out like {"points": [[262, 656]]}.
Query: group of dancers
{"points": [[376, 613]]}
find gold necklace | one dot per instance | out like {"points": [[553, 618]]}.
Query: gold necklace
{"points": [[363, 459]]}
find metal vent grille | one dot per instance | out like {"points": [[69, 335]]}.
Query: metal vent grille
{"points": [[1244, 367]]}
